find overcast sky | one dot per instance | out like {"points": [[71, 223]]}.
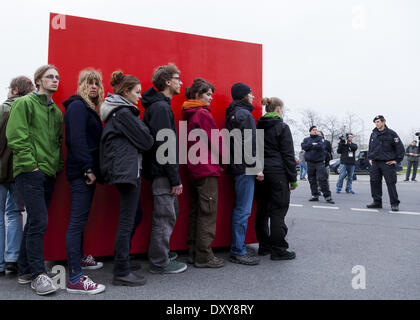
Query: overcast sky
{"points": [[333, 56]]}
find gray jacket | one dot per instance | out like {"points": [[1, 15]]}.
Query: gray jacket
{"points": [[412, 149]]}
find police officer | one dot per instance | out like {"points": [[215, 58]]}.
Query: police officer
{"points": [[314, 147], [385, 150]]}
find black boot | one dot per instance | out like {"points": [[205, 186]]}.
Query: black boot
{"points": [[375, 205]]}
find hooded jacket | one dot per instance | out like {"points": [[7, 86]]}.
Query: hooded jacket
{"points": [[279, 153], [238, 116], [158, 115], [198, 116], [385, 145], [124, 139], [34, 133], [314, 153], [83, 135]]}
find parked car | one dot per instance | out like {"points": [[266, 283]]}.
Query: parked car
{"points": [[362, 165]]}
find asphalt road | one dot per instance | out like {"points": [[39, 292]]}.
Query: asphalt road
{"points": [[330, 242]]}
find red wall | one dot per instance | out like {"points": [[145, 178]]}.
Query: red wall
{"points": [[76, 43]]}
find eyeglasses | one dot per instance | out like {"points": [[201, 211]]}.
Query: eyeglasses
{"points": [[176, 78], [51, 77]]}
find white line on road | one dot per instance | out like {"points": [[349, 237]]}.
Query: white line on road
{"points": [[406, 212], [367, 210], [296, 205], [324, 207]]}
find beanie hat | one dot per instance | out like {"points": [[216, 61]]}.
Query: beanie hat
{"points": [[239, 91]]}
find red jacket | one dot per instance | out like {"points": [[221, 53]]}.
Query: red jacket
{"points": [[198, 116]]}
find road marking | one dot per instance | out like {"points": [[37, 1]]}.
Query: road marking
{"points": [[324, 207], [296, 205], [406, 212], [367, 210]]}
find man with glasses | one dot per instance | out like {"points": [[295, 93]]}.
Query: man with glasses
{"points": [[385, 150], [166, 186], [34, 133]]}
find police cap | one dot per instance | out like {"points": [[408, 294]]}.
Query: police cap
{"points": [[380, 117]]}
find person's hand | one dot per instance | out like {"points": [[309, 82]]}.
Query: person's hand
{"points": [[260, 176], [391, 162], [36, 169], [90, 178], [292, 187], [177, 190], [370, 162]]}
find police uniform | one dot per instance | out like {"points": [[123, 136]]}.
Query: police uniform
{"points": [[384, 146]]}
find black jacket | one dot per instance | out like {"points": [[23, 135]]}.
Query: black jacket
{"points": [[124, 139], [279, 153], [83, 135], [314, 153], [385, 146], [348, 153], [159, 115], [238, 116]]}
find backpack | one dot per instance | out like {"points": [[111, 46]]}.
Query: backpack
{"points": [[6, 154]]}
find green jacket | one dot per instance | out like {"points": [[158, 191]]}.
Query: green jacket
{"points": [[34, 133]]}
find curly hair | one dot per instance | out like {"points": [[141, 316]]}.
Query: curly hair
{"points": [[199, 87], [163, 74], [87, 77]]}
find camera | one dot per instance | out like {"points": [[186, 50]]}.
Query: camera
{"points": [[417, 134], [342, 138]]}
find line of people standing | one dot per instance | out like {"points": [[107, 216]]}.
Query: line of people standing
{"points": [[125, 149]]}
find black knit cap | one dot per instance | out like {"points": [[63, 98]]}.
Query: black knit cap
{"points": [[380, 117], [239, 91]]}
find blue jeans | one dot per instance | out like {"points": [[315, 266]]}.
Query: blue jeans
{"points": [[35, 189], [244, 195], [10, 210], [81, 201], [303, 169], [345, 170]]}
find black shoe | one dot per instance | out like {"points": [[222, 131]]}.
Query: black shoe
{"points": [[394, 207], [374, 205], [405, 179], [12, 267], [264, 250], [414, 180], [286, 255], [314, 199], [130, 280], [329, 200]]}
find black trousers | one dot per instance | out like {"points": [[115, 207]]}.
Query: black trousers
{"points": [[378, 170], [317, 173], [273, 198], [410, 164], [129, 219]]}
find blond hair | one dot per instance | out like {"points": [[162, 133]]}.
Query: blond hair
{"points": [[86, 77]]}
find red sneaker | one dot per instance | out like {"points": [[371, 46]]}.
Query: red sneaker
{"points": [[90, 263], [85, 285]]}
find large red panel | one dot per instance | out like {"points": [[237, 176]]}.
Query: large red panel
{"points": [[77, 43]]}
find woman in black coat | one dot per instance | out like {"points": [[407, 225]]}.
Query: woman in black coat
{"points": [[273, 193], [124, 139], [83, 134]]}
